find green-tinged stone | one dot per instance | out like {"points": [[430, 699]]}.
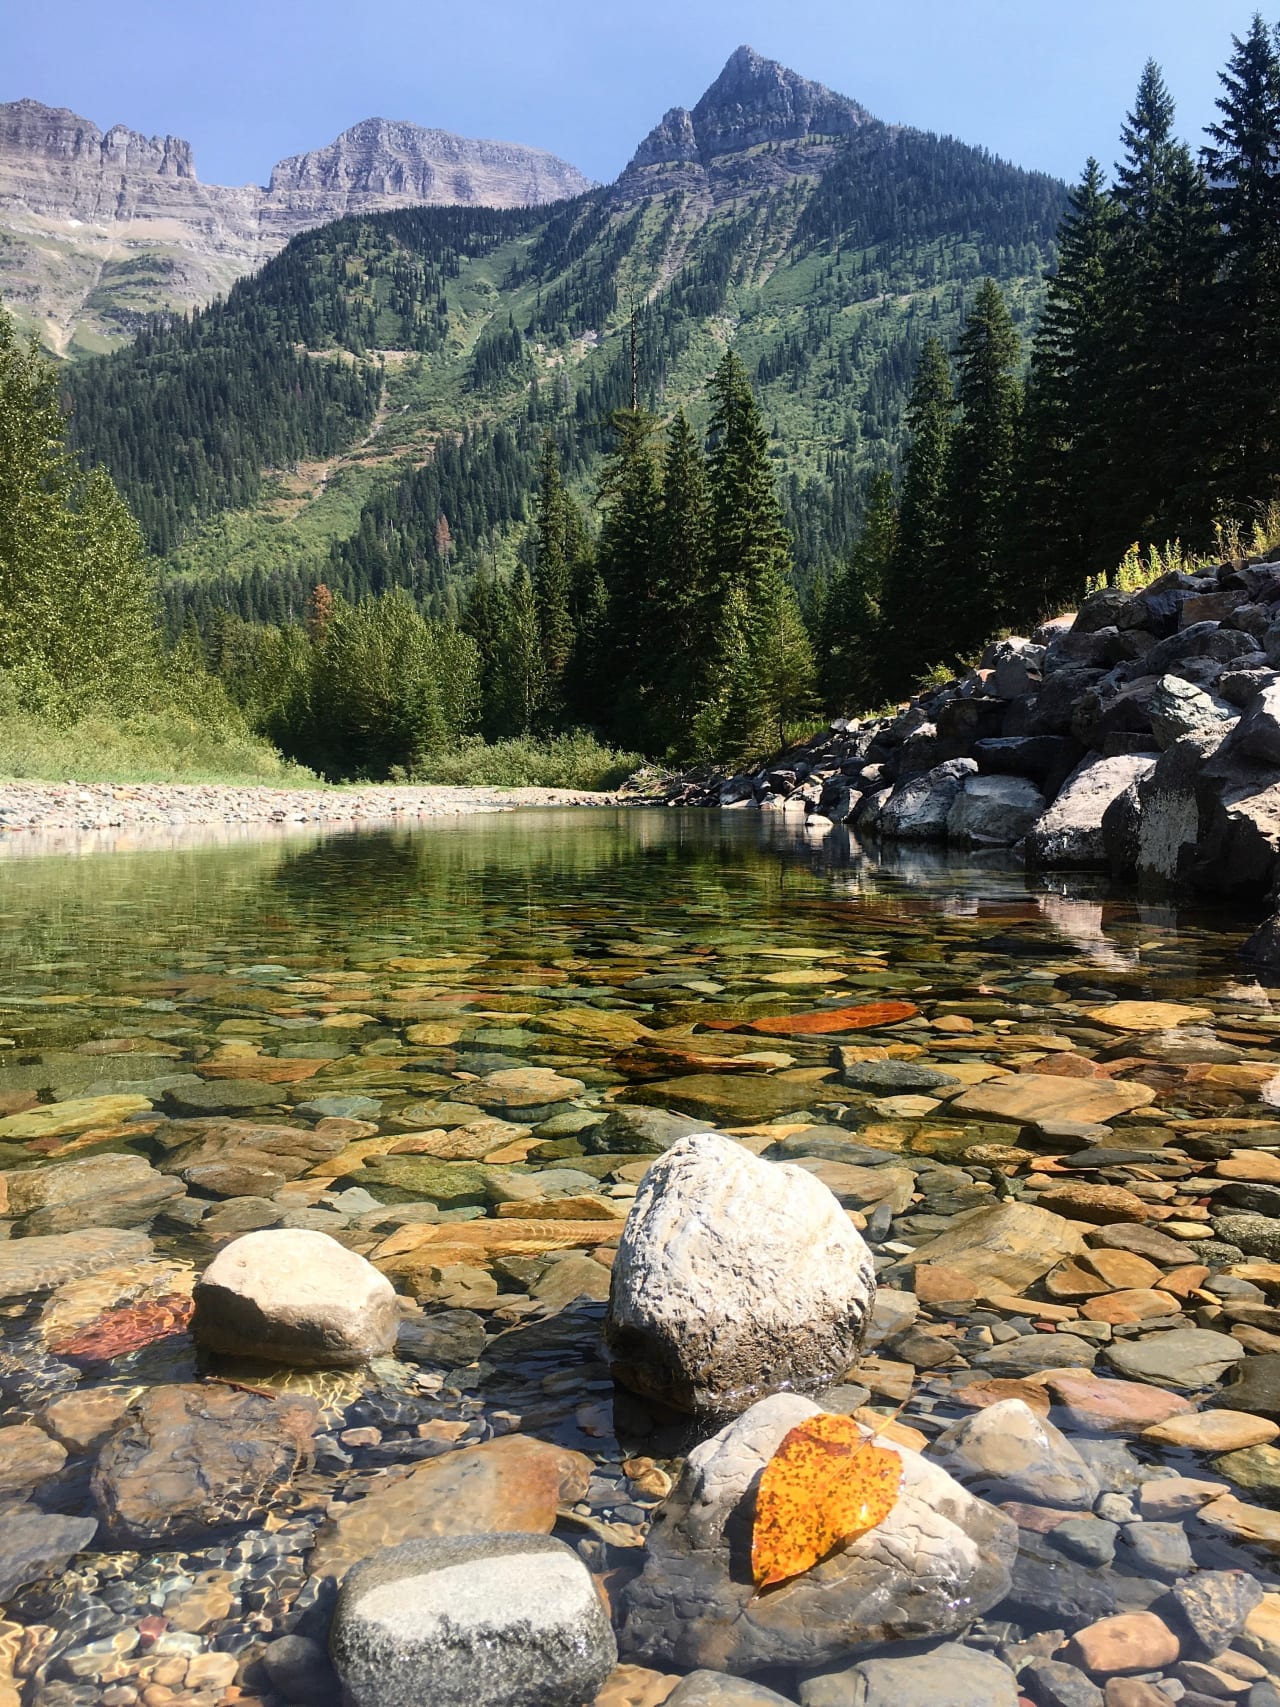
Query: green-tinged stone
{"points": [[57, 1119], [1254, 1467], [738, 1099], [410, 1179]]}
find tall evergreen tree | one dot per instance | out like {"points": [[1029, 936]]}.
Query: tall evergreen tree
{"points": [[983, 465], [682, 558], [758, 643], [553, 578], [852, 667], [629, 501], [914, 599], [1243, 166], [1066, 445]]}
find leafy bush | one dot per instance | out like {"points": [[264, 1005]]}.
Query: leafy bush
{"points": [[576, 760]]}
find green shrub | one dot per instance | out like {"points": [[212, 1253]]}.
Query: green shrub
{"points": [[576, 760]]}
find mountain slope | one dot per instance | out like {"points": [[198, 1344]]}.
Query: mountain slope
{"points": [[435, 346], [97, 230]]}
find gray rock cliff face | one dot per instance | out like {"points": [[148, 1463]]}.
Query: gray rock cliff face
{"points": [[123, 219]]}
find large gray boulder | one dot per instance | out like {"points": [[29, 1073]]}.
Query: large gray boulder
{"points": [[472, 1621], [1177, 708], [994, 811], [940, 1559], [735, 1277], [917, 809], [1070, 832], [296, 1296]]}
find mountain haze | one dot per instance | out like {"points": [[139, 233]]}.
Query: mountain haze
{"points": [[99, 229], [773, 215]]}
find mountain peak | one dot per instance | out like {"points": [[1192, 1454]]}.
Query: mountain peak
{"points": [[754, 100]]}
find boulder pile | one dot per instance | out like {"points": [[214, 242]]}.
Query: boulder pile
{"points": [[1140, 734]]}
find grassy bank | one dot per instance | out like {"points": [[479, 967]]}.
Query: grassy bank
{"points": [[162, 746], [562, 761]]}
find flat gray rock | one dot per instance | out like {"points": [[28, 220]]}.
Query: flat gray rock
{"points": [[37, 1264], [1186, 1358], [472, 1621]]}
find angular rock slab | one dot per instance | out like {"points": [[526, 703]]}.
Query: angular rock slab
{"points": [[1034, 1097], [472, 1621], [940, 1559], [1070, 832], [734, 1278], [1001, 1248], [292, 1295], [38, 1264], [503, 1486]]}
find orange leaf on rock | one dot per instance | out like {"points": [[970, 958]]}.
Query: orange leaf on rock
{"points": [[827, 1484], [821, 1021]]}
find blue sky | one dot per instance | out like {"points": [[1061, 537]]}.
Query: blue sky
{"points": [[249, 81]]}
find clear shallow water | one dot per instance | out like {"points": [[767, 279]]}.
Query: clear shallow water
{"points": [[165, 975]]}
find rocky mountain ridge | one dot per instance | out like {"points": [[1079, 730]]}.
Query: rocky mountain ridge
{"points": [[100, 228]]}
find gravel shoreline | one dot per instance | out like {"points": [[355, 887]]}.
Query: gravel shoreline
{"points": [[41, 807]]}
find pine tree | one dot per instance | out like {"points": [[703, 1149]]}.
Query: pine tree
{"points": [[78, 605], [760, 660], [629, 502], [682, 557], [915, 595], [1243, 167], [852, 673], [983, 465], [1065, 430], [552, 580]]}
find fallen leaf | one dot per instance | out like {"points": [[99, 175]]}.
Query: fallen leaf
{"points": [[819, 1022], [827, 1484]]}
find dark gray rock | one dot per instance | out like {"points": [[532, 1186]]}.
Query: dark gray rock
{"points": [[1088, 1540], [994, 811], [632, 1130], [1049, 1588], [1213, 1605], [917, 809], [1256, 1235], [450, 1338], [1052, 1683], [883, 1078], [1176, 708], [1256, 1388], [300, 1671], [1160, 1549], [951, 1673], [1070, 832], [472, 1621]]}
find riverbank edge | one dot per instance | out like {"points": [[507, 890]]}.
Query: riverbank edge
{"points": [[28, 808]]}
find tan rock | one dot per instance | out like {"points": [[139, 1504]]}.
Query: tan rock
{"points": [[27, 1456], [1263, 1274], [1031, 1098], [592, 1025], [82, 1418], [977, 1395], [582, 1208], [1168, 1499], [1099, 1271], [1259, 1165], [1254, 1524], [636, 1686], [1146, 1016], [512, 1484], [1261, 1636], [438, 1032], [1100, 1204], [1002, 1248], [1133, 1692], [1098, 1405], [1129, 1642], [1144, 1304], [1184, 1281], [1213, 1431]]}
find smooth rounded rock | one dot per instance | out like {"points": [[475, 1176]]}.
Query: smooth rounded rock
{"points": [[472, 1621], [734, 1278], [1008, 1452], [292, 1295], [1129, 1642]]}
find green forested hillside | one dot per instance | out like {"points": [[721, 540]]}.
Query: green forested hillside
{"points": [[368, 410]]}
